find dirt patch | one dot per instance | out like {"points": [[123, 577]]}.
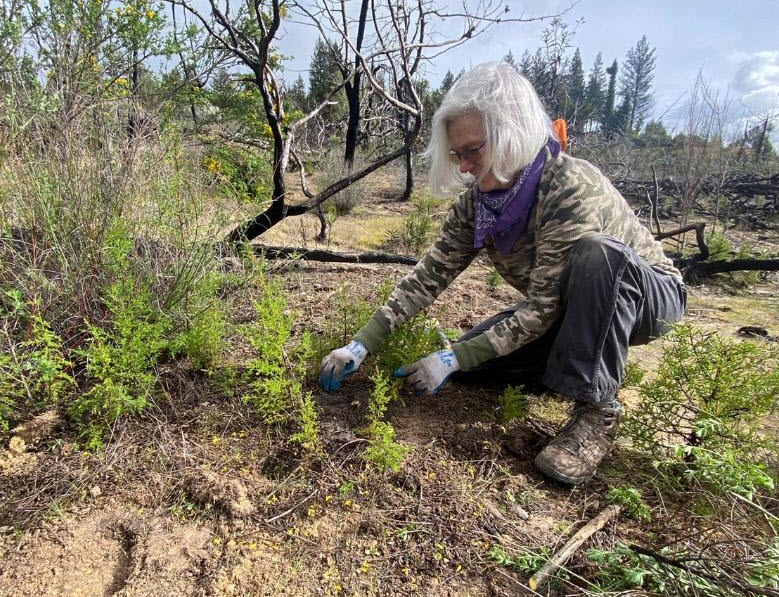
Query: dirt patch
{"points": [[106, 552]]}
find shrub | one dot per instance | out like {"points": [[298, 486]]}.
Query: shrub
{"points": [[383, 451], [275, 374], [631, 500], [699, 419], [120, 360], [243, 174], [494, 279], [417, 230], [634, 374]]}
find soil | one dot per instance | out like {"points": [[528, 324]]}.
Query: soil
{"points": [[195, 497]]}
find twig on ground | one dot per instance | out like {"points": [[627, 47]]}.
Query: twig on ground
{"points": [[540, 578]]}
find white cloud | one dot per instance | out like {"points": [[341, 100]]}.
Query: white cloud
{"points": [[757, 81]]}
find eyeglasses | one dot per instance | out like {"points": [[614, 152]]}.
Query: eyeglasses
{"points": [[466, 154]]}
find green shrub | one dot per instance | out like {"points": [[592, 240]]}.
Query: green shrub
{"points": [[418, 337], [525, 561], [243, 174], [415, 235], [631, 500], [634, 375], [345, 316], [624, 569], [719, 246], [699, 419], [45, 364], [383, 451], [272, 389], [275, 375], [119, 364], [494, 279], [200, 324], [513, 404]]}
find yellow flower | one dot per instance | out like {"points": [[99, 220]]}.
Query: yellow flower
{"points": [[150, 14], [122, 81]]}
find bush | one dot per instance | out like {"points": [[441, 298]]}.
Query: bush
{"points": [[630, 499], [418, 227], [242, 174], [700, 418], [383, 451], [103, 242], [275, 374]]}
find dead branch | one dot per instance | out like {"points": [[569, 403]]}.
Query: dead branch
{"points": [[721, 579], [540, 578], [270, 252], [699, 237]]}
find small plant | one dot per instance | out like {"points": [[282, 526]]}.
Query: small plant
{"points": [[634, 375], [494, 279], [199, 322], [524, 561], [513, 404], [346, 315], [719, 246], [275, 374], [418, 227], [383, 451], [631, 500], [120, 369]]}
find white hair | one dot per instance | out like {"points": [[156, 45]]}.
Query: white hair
{"points": [[515, 123]]}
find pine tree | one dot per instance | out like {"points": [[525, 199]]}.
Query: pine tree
{"points": [[595, 95], [573, 103], [509, 59], [447, 82], [636, 82], [620, 120], [324, 72], [295, 97], [608, 106], [526, 64]]}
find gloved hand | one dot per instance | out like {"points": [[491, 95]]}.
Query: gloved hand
{"points": [[429, 374], [340, 363]]}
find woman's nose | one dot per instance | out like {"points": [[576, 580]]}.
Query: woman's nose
{"points": [[465, 165]]}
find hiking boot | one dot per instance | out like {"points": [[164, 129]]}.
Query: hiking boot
{"points": [[573, 455]]}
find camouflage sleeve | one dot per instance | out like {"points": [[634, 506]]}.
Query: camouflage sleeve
{"points": [[451, 253], [562, 220]]}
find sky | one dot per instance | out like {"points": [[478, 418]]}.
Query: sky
{"points": [[732, 44]]}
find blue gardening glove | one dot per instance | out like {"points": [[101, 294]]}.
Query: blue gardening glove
{"points": [[429, 374], [340, 363]]}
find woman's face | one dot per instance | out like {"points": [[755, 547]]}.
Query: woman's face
{"points": [[468, 142]]}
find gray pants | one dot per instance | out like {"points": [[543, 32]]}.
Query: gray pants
{"points": [[611, 299]]}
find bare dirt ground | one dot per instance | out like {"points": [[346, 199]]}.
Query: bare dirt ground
{"points": [[195, 497]]}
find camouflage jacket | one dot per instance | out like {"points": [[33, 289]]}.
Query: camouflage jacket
{"points": [[575, 200]]}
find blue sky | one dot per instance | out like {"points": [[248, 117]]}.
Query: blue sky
{"points": [[733, 44]]}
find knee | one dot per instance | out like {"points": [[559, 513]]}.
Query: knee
{"points": [[595, 250]]}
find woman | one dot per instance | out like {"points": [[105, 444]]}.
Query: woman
{"points": [[594, 278]]}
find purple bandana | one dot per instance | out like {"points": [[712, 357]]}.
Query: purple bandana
{"points": [[503, 215]]}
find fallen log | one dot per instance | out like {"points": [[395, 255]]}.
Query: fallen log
{"points": [[270, 252], [695, 270]]}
